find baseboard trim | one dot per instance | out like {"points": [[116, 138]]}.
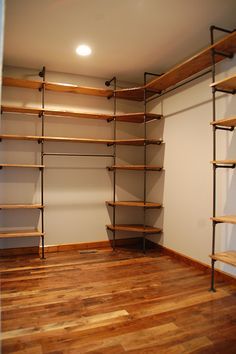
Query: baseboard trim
{"points": [[193, 262]]}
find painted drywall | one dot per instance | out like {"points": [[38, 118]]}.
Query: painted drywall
{"points": [[76, 188], [188, 172]]}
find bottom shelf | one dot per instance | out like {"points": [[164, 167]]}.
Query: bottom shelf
{"points": [[228, 257], [134, 228], [20, 233]]}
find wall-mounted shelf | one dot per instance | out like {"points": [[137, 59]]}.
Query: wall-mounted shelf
{"points": [[135, 142], [20, 233], [136, 167], [57, 87], [228, 84], [224, 162], [229, 219], [227, 122], [134, 228], [21, 206], [127, 117], [228, 257], [16, 165], [139, 204]]}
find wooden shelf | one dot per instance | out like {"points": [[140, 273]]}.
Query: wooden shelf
{"points": [[137, 117], [136, 167], [21, 206], [20, 165], [134, 228], [139, 204], [128, 117], [55, 112], [228, 219], [227, 122], [195, 64], [139, 142], [228, 257], [223, 162], [20, 233], [228, 84], [135, 93], [57, 87], [135, 142]]}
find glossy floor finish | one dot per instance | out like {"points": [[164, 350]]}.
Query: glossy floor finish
{"points": [[113, 303]]}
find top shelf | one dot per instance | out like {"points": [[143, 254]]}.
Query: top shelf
{"points": [[228, 84], [179, 73]]}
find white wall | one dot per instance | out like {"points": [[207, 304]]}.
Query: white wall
{"points": [[188, 173]]}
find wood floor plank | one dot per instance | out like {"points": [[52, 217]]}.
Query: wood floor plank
{"points": [[113, 302]]}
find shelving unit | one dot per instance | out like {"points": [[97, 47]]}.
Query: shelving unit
{"points": [[228, 86]]}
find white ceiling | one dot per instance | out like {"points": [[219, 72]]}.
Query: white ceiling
{"points": [[127, 37]]}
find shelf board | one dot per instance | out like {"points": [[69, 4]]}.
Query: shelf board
{"points": [[228, 84], [137, 117], [136, 167], [20, 165], [135, 93], [127, 117], [134, 228], [149, 205], [228, 257], [194, 65], [20, 233], [135, 142], [55, 112], [228, 219], [56, 138], [227, 122], [57, 87], [223, 162], [139, 142], [21, 206]]}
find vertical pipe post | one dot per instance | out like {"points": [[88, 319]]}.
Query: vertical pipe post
{"points": [[114, 170], [214, 158], [42, 74], [145, 161]]}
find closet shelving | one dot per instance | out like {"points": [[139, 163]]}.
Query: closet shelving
{"points": [[227, 86], [172, 79]]}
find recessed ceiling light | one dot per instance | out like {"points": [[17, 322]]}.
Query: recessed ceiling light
{"points": [[83, 50]]}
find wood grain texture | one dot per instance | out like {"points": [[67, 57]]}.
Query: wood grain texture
{"points": [[140, 204], [228, 257], [113, 302], [227, 122], [224, 162], [228, 219]]}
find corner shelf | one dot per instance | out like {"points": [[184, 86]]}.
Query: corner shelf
{"points": [[20, 233], [134, 228], [20, 206], [134, 142], [127, 117], [139, 204], [228, 257]]}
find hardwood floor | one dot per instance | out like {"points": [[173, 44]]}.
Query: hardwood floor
{"points": [[106, 303]]}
